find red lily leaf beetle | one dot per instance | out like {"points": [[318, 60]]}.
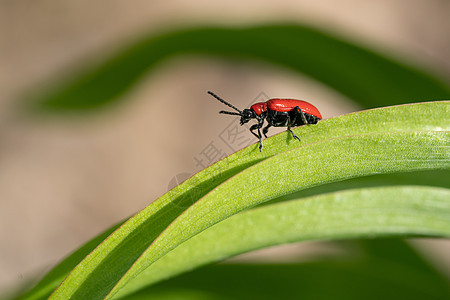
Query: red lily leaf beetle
{"points": [[278, 113]]}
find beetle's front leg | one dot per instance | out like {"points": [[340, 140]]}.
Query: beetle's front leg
{"points": [[260, 125], [259, 136], [254, 127]]}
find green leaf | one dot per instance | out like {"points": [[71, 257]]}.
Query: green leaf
{"points": [[322, 162], [437, 178], [401, 210], [118, 253], [362, 75]]}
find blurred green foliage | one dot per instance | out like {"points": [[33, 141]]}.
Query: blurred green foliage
{"points": [[364, 76], [374, 269]]}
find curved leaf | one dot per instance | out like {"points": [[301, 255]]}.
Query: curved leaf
{"points": [[436, 178], [361, 213], [364, 76]]}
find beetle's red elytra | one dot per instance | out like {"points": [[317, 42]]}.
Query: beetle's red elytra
{"points": [[277, 112], [286, 105]]}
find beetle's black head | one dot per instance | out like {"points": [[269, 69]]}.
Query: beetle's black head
{"points": [[247, 115]]}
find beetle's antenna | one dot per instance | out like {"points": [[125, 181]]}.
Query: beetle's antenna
{"points": [[229, 113], [224, 102]]}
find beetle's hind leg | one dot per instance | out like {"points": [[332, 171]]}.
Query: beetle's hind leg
{"points": [[293, 134], [298, 112]]}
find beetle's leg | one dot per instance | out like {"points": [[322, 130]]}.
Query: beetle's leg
{"points": [[300, 113], [260, 125], [266, 129], [289, 127], [257, 126], [260, 139], [293, 134], [254, 127]]}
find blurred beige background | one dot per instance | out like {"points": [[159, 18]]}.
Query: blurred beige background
{"points": [[62, 181]]}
